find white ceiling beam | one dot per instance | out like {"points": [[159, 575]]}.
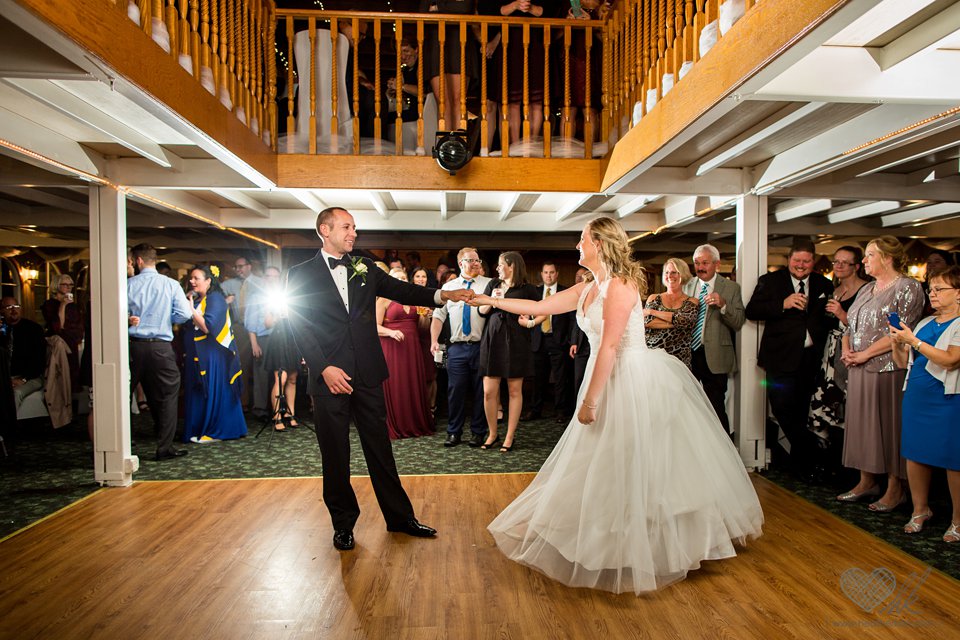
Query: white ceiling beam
{"points": [[861, 210], [9, 207], [48, 144], [634, 205], [576, 201], [308, 199], [921, 215], [506, 207], [188, 173], [681, 181], [240, 198], [85, 113], [941, 171], [48, 199], [444, 207], [881, 186], [922, 37], [379, 201], [834, 148], [754, 136], [179, 202], [850, 74], [799, 208]]}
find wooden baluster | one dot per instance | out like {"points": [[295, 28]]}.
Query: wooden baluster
{"points": [[678, 23], [421, 143], [689, 48], [699, 22], [334, 88], [245, 60], [173, 26], [442, 124], [215, 43], [484, 125], [649, 51], [660, 21], [547, 133], [587, 106], [233, 36], [505, 95], [669, 35], [195, 37], [631, 40], [635, 49], [146, 13], [204, 46], [567, 115], [256, 54], [355, 43], [463, 75], [312, 84], [223, 76], [526, 88], [398, 92], [291, 121], [270, 51], [605, 84], [713, 14], [616, 29], [376, 82], [748, 5]]}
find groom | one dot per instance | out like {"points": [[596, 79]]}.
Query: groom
{"points": [[332, 304]]}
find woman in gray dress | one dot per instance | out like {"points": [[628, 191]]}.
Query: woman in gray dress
{"points": [[875, 382]]}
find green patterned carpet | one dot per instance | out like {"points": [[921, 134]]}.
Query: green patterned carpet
{"points": [[50, 470]]}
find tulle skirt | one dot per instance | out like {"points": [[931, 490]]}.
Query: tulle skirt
{"points": [[642, 496]]}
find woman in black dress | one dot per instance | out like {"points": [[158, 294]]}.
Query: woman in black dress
{"points": [[282, 359], [451, 57], [505, 350]]}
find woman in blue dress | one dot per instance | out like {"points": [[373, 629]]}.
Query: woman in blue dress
{"points": [[211, 366], [931, 401]]}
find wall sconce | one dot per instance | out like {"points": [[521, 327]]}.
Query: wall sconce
{"points": [[27, 274]]}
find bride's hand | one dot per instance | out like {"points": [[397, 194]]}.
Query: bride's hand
{"points": [[587, 413], [480, 300]]}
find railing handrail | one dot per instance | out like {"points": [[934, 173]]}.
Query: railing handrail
{"points": [[326, 14]]}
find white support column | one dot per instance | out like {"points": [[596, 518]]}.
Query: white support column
{"points": [[113, 463], [274, 258], [750, 401]]}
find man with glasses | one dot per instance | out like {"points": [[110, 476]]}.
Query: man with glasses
{"points": [[237, 291], [463, 352], [27, 350]]}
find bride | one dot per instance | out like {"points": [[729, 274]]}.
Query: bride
{"points": [[644, 484]]}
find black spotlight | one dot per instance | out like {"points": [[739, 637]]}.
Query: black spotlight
{"points": [[452, 150]]}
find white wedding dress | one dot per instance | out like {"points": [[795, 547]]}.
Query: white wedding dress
{"points": [[640, 497]]}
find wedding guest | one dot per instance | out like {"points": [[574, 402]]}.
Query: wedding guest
{"points": [[672, 315], [26, 349], [589, 10], [155, 304], [282, 359], [523, 70], [463, 351], [258, 304], [792, 305], [405, 390], [937, 260], [719, 318], [453, 80], [550, 361], [875, 382], [931, 400], [61, 314], [237, 290], [505, 351], [579, 344], [212, 410], [424, 320], [826, 415]]}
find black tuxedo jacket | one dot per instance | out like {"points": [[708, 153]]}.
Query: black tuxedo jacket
{"points": [[326, 334], [560, 324], [781, 348]]}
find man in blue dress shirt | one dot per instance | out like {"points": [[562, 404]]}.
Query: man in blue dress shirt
{"points": [[155, 303]]}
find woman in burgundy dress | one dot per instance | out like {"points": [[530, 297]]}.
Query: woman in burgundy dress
{"points": [[424, 320], [405, 391]]}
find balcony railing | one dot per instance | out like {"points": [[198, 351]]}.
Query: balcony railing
{"points": [[611, 71]]}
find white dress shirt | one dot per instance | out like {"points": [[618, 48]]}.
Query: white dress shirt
{"points": [[339, 277]]}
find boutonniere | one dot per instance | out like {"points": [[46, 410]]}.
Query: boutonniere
{"points": [[358, 268]]}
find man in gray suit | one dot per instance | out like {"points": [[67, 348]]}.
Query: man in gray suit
{"points": [[720, 316]]}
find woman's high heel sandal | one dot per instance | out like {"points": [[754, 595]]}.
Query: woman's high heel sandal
{"points": [[278, 425], [952, 535], [292, 421], [490, 445], [853, 496], [879, 507], [916, 522]]}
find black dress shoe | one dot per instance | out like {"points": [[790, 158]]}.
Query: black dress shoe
{"points": [[453, 439], [343, 539], [413, 528], [170, 454], [476, 440]]}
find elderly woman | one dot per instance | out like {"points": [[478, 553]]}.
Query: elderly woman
{"points": [[875, 382], [830, 396], [61, 314], [405, 391], [672, 316], [212, 410], [931, 401], [505, 349]]}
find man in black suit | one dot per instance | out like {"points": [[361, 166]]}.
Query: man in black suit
{"points": [[579, 345], [792, 304], [332, 304], [550, 354]]}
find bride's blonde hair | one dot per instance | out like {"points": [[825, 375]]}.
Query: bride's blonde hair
{"points": [[613, 249]]}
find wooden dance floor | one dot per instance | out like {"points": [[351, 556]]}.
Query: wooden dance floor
{"points": [[253, 559]]}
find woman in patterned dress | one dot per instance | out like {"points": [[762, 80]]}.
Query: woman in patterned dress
{"points": [[671, 316]]}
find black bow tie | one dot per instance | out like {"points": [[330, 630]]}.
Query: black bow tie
{"points": [[335, 262]]}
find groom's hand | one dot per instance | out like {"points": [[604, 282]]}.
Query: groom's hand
{"points": [[457, 295], [337, 380]]}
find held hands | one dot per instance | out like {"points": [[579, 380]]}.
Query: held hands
{"points": [[337, 380], [479, 300], [459, 295]]}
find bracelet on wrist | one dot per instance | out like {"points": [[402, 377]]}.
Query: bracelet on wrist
{"points": [[916, 347], [589, 406]]}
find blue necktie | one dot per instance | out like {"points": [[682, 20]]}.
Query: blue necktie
{"points": [[466, 315], [701, 315]]}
